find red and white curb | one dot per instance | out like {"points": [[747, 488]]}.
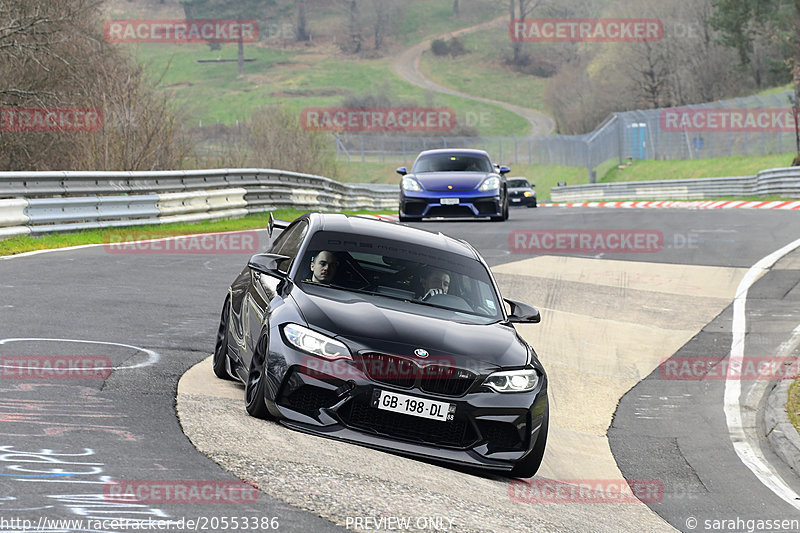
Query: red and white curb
{"points": [[706, 204], [390, 218]]}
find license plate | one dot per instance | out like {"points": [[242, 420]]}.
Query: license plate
{"points": [[449, 201], [516, 199], [410, 405]]}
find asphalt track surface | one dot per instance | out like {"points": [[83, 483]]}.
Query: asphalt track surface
{"points": [[609, 319]]}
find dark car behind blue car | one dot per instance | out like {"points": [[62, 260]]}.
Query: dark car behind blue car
{"points": [[453, 183]]}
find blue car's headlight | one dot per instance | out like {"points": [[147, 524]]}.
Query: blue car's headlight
{"points": [[410, 184], [513, 380], [490, 184], [315, 343]]}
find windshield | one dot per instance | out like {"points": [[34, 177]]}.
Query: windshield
{"points": [[452, 163], [518, 183], [394, 274]]}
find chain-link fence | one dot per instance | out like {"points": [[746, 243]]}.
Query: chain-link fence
{"points": [[756, 125]]}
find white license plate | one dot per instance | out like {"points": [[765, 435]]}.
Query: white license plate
{"points": [[449, 201], [516, 199], [410, 405]]}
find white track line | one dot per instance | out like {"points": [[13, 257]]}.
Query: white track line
{"points": [[749, 454], [152, 357]]}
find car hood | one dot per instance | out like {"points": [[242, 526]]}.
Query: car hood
{"points": [[460, 181], [365, 326]]}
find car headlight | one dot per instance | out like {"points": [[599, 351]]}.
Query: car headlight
{"points": [[410, 184], [513, 380], [490, 184], [528, 194], [315, 343]]}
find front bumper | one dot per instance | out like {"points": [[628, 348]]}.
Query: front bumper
{"points": [[520, 200], [489, 430], [450, 204]]}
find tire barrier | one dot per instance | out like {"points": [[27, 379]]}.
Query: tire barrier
{"points": [[45, 202]]}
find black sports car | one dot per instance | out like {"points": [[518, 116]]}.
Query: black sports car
{"points": [[453, 183], [388, 336], [520, 192]]}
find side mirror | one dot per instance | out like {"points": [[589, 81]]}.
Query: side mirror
{"points": [[523, 313], [272, 224], [504, 169], [402, 171], [268, 264]]}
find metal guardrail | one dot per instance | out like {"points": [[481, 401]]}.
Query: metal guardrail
{"points": [[44, 202], [778, 181]]}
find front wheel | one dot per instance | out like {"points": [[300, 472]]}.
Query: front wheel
{"points": [[254, 388], [504, 214], [220, 361]]}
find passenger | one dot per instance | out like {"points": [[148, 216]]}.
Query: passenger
{"points": [[323, 267], [435, 282]]}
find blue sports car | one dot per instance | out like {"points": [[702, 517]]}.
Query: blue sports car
{"points": [[453, 183]]}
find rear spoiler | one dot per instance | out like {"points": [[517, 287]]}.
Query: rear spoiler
{"points": [[280, 224]]}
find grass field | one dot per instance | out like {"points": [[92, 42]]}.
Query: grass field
{"points": [[25, 243], [212, 92], [696, 168], [299, 76], [482, 71]]}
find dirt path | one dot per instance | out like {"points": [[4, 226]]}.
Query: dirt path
{"points": [[406, 65]]}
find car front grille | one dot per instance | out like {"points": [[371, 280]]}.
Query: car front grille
{"points": [[412, 208], [501, 436], [390, 370], [486, 206], [446, 380], [360, 415], [450, 211], [309, 399]]}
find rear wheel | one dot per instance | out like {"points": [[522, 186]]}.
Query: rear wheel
{"points": [[220, 361], [254, 388], [530, 465]]}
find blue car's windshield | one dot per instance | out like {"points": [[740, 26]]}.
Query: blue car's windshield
{"points": [[452, 163]]}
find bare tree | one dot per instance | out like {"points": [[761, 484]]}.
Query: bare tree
{"points": [[274, 138], [301, 32], [52, 55]]}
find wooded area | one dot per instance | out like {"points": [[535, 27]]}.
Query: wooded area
{"points": [[53, 56]]}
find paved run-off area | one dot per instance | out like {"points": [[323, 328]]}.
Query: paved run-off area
{"points": [[605, 326]]}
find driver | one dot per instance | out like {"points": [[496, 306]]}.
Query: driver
{"points": [[435, 282], [323, 267]]}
